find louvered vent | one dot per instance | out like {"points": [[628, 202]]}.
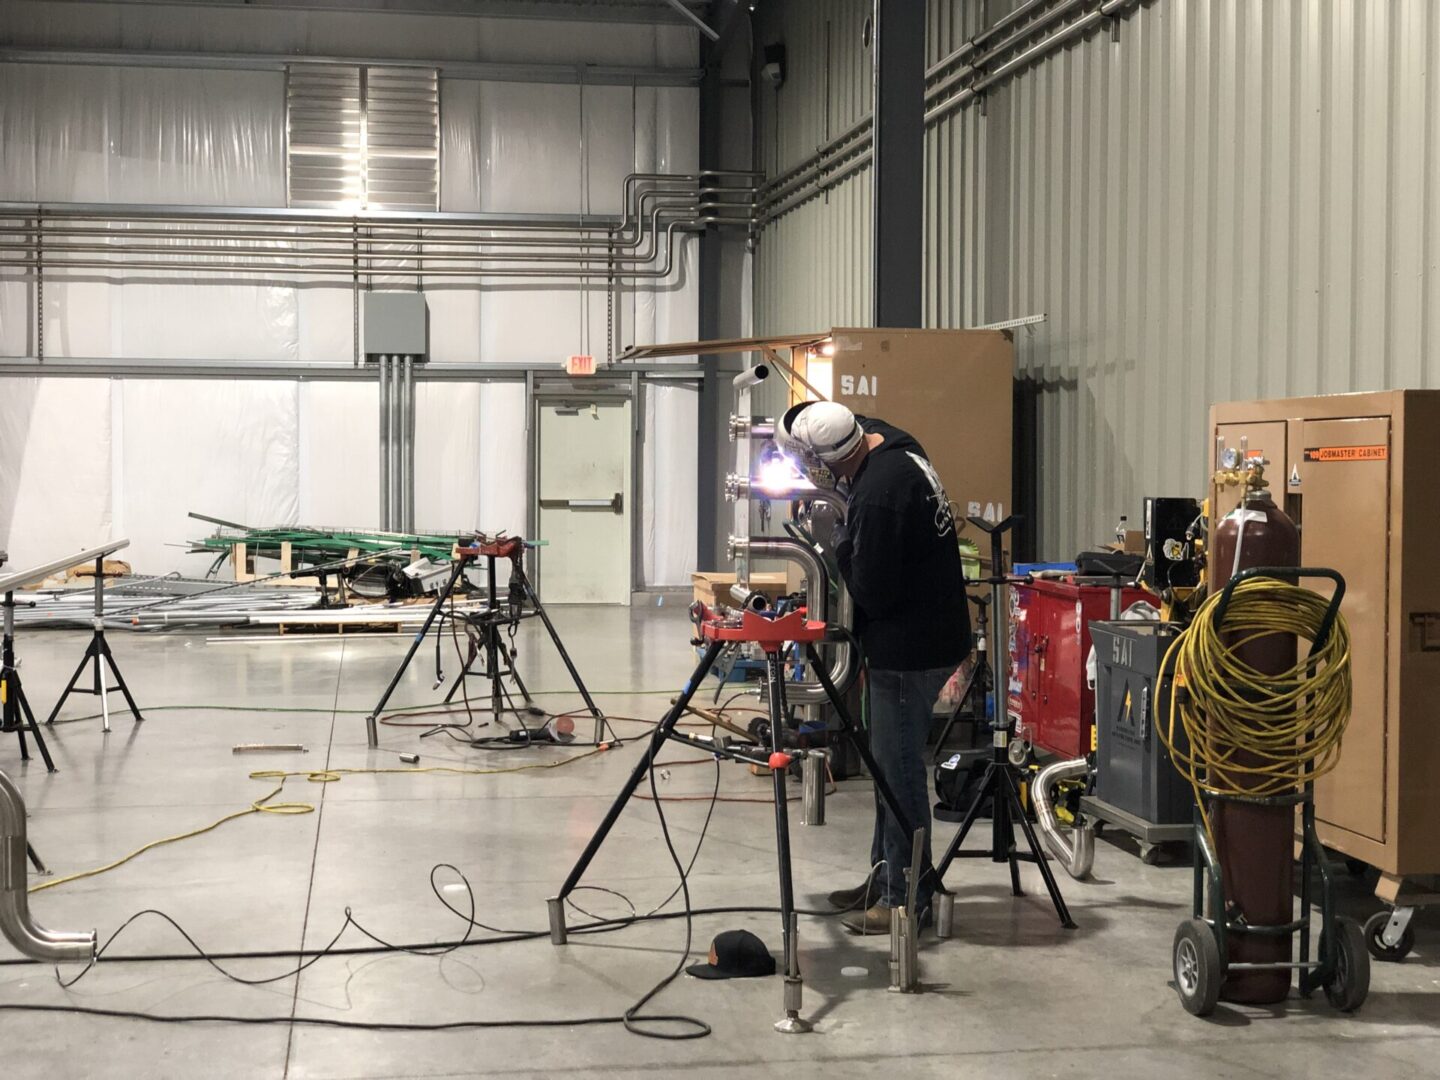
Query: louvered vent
{"points": [[402, 139], [363, 138]]}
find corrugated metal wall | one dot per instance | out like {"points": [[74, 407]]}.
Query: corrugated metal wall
{"points": [[813, 266], [1235, 199]]}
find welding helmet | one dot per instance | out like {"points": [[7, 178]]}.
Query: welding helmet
{"points": [[826, 429]]}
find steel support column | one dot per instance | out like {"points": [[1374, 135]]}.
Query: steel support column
{"points": [[898, 200], [729, 17]]}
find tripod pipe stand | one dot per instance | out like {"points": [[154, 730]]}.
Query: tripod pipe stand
{"points": [[15, 714], [98, 652], [492, 648], [773, 636], [999, 783], [500, 661]]}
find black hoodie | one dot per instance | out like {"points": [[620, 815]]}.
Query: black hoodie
{"points": [[900, 559]]}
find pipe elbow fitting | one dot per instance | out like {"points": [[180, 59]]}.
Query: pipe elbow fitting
{"points": [[1075, 849]]}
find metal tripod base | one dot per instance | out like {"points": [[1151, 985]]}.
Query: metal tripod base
{"points": [[98, 653], [1000, 786], [556, 906], [792, 1023]]}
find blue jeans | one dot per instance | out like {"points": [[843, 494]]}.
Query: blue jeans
{"points": [[901, 703]]}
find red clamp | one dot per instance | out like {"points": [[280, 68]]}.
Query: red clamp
{"points": [[497, 547], [779, 760], [770, 634]]}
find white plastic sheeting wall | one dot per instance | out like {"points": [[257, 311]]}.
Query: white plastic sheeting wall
{"points": [[271, 452]]}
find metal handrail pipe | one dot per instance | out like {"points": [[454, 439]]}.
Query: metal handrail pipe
{"points": [[16, 922], [18, 579]]}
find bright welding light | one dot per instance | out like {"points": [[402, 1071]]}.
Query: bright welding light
{"points": [[827, 348], [780, 475]]}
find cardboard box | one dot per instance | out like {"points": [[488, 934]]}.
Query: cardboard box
{"points": [[713, 587], [951, 389]]}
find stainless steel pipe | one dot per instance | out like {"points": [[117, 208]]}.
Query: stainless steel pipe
{"points": [[751, 427], [817, 592], [1077, 852], [751, 377], [16, 922], [743, 487]]}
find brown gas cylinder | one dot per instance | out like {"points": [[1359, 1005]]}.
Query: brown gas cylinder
{"points": [[1255, 844]]}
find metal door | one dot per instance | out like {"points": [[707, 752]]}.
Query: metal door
{"points": [[585, 500], [1345, 479]]}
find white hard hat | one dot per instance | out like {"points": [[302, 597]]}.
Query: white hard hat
{"points": [[825, 428]]}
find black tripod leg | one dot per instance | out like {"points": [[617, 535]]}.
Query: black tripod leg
{"points": [[657, 740], [371, 730], [34, 730], [35, 861], [120, 679], [71, 685], [794, 985], [515, 674], [1051, 886], [472, 654], [534, 599], [970, 816]]}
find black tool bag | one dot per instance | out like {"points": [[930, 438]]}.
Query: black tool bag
{"points": [[957, 779]]}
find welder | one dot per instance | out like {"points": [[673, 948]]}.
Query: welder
{"points": [[900, 558]]}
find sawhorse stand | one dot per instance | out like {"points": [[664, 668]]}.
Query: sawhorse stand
{"points": [[15, 714], [499, 660], [999, 783], [773, 636], [98, 652]]}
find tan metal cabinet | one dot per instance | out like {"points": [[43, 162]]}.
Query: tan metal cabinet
{"points": [[1358, 473]]}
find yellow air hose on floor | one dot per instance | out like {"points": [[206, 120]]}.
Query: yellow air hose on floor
{"points": [[1249, 733]]}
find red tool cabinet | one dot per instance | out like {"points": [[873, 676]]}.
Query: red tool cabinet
{"points": [[1049, 643]]}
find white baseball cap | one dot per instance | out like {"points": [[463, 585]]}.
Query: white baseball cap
{"points": [[825, 428]]}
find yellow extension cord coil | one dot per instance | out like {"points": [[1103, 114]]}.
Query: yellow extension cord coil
{"points": [[1249, 733]]}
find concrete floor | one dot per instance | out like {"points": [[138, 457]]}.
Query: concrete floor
{"points": [[1011, 995]]}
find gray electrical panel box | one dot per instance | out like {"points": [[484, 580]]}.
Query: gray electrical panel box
{"points": [[396, 324]]}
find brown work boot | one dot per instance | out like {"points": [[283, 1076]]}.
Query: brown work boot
{"points": [[873, 920], [860, 896], [876, 920]]}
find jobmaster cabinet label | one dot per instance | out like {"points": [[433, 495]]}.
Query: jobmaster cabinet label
{"points": [[1346, 453]]}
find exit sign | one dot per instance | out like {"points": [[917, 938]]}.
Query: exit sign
{"points": [[580, 365]]}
